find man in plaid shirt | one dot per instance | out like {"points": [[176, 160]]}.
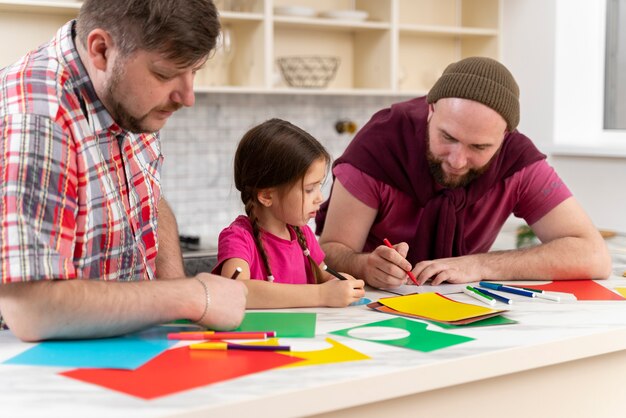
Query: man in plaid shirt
{"points": [[80, 162]]}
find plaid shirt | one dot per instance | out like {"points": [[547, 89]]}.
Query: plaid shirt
{"points": [[78, 195]]}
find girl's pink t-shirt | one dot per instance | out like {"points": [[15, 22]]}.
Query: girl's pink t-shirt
{"points": [[529, 194], [286, 258]]}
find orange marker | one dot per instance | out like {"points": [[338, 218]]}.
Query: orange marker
{"points": [[409, 273]]}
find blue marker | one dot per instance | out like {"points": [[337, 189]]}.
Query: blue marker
{"points": [[495, 296], [508, 289]]}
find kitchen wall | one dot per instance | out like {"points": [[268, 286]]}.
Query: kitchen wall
{"points": [[555, 48], [199, 145]]}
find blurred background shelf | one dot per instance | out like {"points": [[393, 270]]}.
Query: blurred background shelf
{"points": [[386, 47]]}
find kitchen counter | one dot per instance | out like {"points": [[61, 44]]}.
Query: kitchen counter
{"points": [[560, 359], [198, 261]]}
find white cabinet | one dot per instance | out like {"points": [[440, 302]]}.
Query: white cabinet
{"points": [[401, 47]]}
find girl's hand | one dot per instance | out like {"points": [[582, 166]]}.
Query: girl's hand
{"points": [[340, 293]]}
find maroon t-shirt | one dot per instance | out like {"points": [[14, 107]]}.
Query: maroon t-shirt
{"points": [[392, 147]]}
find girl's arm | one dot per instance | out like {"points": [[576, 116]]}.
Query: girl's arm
{"points": [[262, 294]]}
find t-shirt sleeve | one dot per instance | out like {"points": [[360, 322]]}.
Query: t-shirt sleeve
{"points": [[365, 188], [234, 242], [38, 199], [314, 247], [541, 190]]}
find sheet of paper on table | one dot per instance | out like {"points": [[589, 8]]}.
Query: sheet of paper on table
{"points": [[443, 289]]}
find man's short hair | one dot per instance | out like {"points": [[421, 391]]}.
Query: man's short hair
{"points": [[185, 31]]}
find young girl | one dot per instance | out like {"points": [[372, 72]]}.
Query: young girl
{"points": [[279, 170]]}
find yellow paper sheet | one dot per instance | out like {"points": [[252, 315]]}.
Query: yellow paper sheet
{"points": [[435, 306], [336, 354]]}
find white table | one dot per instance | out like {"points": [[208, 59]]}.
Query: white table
{"points": [[561, 360]]}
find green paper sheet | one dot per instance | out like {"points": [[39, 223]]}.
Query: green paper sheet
{"points": [[419, 339], [286, 324]]}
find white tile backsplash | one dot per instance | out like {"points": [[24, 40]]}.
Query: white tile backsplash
{"points": [[199, 144]]}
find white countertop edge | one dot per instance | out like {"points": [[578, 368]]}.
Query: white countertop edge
{"points": [[437, 375]]}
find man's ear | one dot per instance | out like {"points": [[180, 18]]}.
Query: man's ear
{"points": [[99, 47], [265, 197]]}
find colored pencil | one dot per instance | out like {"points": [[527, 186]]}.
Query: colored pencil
{"points": [[409, 273]]}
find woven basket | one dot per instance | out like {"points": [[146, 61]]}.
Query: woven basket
{"points": [[308, 71]]}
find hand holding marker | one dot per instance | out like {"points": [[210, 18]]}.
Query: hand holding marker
{"points": [[409, 273], [338, 275]]}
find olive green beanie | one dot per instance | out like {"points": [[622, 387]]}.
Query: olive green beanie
{"points": [[483, 80]]}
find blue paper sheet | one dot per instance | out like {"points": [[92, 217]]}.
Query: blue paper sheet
{"points": [[126, 352]]}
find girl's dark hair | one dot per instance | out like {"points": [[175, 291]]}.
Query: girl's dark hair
{"points": [[275, 153], [185, 31]]}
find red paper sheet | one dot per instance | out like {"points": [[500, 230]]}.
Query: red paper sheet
{"points": [[182, 369], [582, 289]]}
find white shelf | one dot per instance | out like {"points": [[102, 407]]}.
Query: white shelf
{"points": [[400, 49], [328, 24], [232, 17], [447, 30]]}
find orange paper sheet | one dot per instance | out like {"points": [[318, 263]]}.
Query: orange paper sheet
{"points": [[582, 289], [435, 307]]}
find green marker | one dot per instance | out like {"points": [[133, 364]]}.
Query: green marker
{"points": [[470, 291], [473, 289]]}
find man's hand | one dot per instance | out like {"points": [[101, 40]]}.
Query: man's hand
{"points": [[465, 269], [228, 302], [387, 267]]}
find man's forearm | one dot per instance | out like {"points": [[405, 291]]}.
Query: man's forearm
{"points": [[88, 308], [169, 259], [343, 258], [563, 258]]}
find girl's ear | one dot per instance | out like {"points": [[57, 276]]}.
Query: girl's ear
{"points": [[265, 197]]}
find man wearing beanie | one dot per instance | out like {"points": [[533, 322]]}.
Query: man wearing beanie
{"points": [[438, 176]]}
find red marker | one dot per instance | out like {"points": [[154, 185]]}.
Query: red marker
{"points": [[409, 273]]}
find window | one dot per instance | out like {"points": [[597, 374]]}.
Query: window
{"points": [[615, 66]]}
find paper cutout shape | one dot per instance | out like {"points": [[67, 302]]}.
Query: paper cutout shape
{"points": [[420, 338], [621, 290], [127, 352], [286, 324], [336, 353], [435, 307], [582, 289], [182, 369]]}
